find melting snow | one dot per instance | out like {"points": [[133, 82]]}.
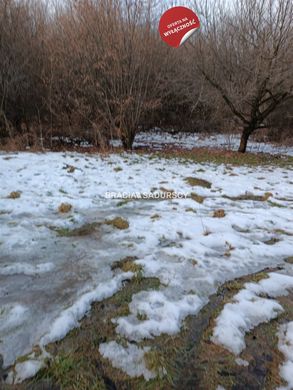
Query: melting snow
{"points": [[130, 359], [250, 309], [47, 282]]}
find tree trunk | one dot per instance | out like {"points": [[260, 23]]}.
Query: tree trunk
{"points": [[244, 139], [127, 140]]}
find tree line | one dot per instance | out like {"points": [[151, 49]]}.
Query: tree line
{"points": [[97, 70]]}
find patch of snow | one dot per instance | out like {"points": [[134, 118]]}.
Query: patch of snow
{"points": [[249, 309], [286, 347], [241, 362], [164, 314], [129, 359], [24, 371]]}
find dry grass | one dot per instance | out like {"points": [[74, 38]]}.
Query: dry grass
{"points": [[289, 260], [219, 213], [127, 265], [118, 223], [197, 198], [203, 155], [65, 208], [14, 195]]}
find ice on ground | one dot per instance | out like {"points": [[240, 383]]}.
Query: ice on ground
{"points": [[26, 269], [286, 347], [129, 359], [70, 317], [249, 309], [45, 276]]}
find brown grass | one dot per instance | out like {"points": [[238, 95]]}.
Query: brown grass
{"points": [[197, 198], [219, 213], [64, 208], [195, 182], [118, 223], [14, 195]]}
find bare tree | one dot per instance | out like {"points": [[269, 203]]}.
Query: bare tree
{"points": [[245, 53]]}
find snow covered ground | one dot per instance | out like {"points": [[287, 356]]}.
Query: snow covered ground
{"points": [[47, 282], [158, 139]]}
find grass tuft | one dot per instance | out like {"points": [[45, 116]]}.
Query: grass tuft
{"points": [[64, 208], [84, 230], [14, 195], [197, 198], [127, 265], [219, 213], [118, 223], [195, 182]]}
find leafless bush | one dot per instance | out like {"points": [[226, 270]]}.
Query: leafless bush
{"points": [[97, 69]]}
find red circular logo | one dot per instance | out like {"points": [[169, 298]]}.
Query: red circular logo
{"points": [[177, 25]]}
